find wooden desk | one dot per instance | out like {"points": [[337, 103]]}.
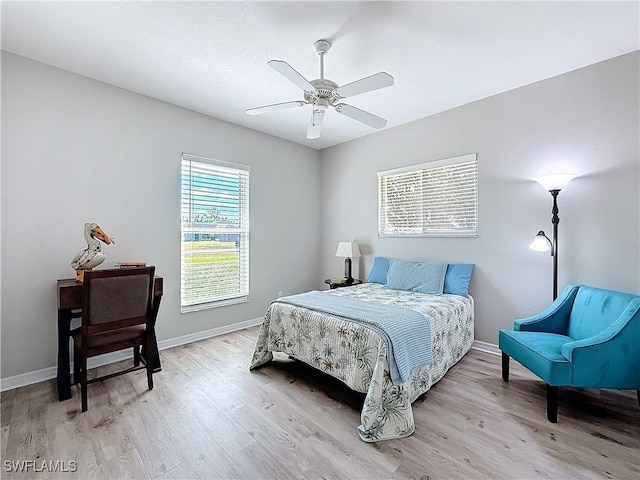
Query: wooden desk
{"points": [[69, 307]]}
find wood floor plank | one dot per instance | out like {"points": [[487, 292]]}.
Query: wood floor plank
{"points": [[127, 465], [184, 471], [102, 423], [28, 435], [4, 436], [69, 441], [336, 421], [209, 417], [437, 459], [341, 458], [258, 462], [216, 464], [155, 445]]}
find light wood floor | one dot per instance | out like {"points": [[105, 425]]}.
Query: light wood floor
{"points": [[209, 417]]}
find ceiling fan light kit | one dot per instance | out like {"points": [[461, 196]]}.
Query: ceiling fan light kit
{"points": [[322, 93]]}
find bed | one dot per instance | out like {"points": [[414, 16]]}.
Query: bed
{"points": [[357, 354]]}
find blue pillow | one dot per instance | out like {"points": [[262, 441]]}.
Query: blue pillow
{"points": [[457, 278], [379, 271], [416, 276]]}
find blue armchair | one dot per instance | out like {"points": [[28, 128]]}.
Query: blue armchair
{"points": [[588, 337]]}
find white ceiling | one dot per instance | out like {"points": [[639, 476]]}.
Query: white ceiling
{"points": [[211, 57]]}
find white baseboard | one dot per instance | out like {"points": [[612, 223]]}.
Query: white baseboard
{"points": [[486, 347], [28, 378], [214, 332], [48, 373]]}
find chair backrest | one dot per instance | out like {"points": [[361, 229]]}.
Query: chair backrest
{"points": [[116, 298], [594, 309]]}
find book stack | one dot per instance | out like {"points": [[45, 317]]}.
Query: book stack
{"points": [[131, 264]]}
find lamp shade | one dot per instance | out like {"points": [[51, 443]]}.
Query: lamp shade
{"points": [[348, 250], [555, 182], [540, 243]]}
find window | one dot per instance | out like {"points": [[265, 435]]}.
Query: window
{"points": [[214, 210], [438, 199]]}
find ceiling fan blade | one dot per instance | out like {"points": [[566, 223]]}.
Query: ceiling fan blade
{"points": [[287, 71], [315, 124], [275, 106], [360, 115], [367, 84]]}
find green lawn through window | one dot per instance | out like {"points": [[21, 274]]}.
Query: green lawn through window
{"points": [[212, 270]]}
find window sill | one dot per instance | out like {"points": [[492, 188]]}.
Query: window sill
{"points": [[216, 304]]}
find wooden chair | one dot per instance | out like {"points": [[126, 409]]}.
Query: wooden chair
{"points": [[117, 313]]}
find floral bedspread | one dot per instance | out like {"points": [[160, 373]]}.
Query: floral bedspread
{"points": [[358, 356]]}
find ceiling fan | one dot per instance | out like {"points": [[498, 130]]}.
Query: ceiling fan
{"points": [[323, 93]]}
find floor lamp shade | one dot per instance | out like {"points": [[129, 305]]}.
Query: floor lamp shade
{"points": [[555, 182], [540, 243], [348, 250]]}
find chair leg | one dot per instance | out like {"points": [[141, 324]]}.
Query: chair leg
{"points": [[150, 361], [505, 367], [83, 384], [136, 356], [638, 395], [552, 404], [150, 376], [76, 365]]}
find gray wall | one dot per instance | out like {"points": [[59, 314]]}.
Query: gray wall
{"points": [[76, 150], [584, 122]]}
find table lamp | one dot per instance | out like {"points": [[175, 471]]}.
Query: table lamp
{"points": [[348, 250]]}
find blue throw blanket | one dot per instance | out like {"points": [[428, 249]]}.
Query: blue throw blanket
{"points": [[407, 333]]}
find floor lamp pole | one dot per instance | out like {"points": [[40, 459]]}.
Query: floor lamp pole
{"points": [[555, 220]]}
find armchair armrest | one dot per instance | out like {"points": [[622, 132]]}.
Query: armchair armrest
{"points": [[554, 318], [623, 326], [609, 359]]}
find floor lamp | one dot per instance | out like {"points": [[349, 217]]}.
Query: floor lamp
{"points": [[541, 243]]}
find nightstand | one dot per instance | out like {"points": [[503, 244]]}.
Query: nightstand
{"points": [[341, 282]]}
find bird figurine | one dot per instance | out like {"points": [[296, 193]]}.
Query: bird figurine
{"points": [[91, 256]]}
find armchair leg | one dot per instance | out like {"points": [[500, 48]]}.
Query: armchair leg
{"points": [[638, 396], [552, 404], [505, 367]]}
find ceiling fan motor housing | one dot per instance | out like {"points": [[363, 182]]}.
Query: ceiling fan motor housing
{"points": [[324, 89]]}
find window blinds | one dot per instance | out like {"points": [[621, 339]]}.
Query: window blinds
{"points": [[430, 199], [214, 210]]}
